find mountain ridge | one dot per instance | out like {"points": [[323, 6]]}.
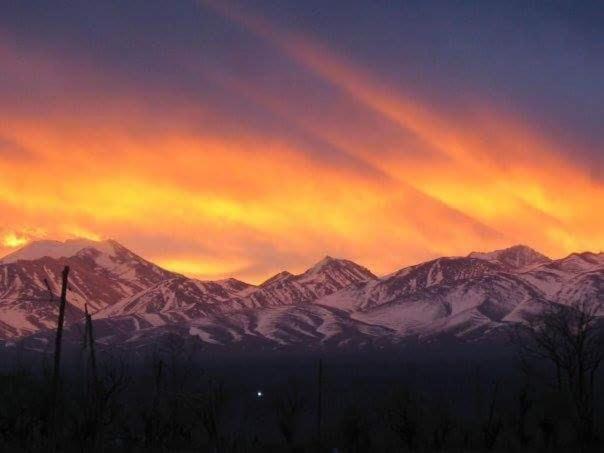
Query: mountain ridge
{"points": [[469, 298]]}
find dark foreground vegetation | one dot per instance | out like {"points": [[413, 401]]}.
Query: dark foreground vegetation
{"points": [[379, 403], [541, 392]]}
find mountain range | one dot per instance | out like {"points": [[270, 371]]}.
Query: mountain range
{"points": [[336, 303]]}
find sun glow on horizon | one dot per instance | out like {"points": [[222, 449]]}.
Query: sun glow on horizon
{"points": [[11, 240], [243, 179]]}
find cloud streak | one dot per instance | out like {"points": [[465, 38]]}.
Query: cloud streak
{"points": [[216, 168], [484, 143]]}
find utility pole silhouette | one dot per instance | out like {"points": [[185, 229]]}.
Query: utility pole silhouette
{"points": [[59, 335], [319, 400], [89, 342]]}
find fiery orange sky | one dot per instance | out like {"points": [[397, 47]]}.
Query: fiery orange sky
{"points": [[251, 142]]}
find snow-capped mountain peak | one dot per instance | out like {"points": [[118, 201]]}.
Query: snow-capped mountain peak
{"points": [[283, 275], [322, 266], [102, 274], [325, 277], [579, 262], [57, 249], [324, 262], [335, 268], [334, 301], [516, 257]]}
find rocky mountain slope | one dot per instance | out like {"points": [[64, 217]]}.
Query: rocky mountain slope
{"points": [[335, 303], [102, 274]]}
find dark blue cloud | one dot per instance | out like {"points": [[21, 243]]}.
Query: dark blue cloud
{"points": [[542, 61]]}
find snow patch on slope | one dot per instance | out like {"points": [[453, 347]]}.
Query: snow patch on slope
{"points": [[57, 249], [516, 257]]}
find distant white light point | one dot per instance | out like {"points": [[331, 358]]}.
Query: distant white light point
{"points": [[259, 394]]}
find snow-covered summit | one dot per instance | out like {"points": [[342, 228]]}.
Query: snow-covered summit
{"points": [[277, 278], [578, 262], [333, 300], [102, 274], [516, 257], [341, 270], [57, 249], [322, 264]]}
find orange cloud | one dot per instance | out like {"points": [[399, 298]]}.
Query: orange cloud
{"points": [[411, 182], [499, 172]]}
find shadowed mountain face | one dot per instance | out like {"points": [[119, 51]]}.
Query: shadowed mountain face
{"points": [[517, 257], [336, 303], [102, 273], [441, 273], [184, 298]]}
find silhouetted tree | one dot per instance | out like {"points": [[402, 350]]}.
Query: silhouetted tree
{"points": [[524, 403], [571, 339], [288, 409], [493, 424], [403, 417], [355, 430]]}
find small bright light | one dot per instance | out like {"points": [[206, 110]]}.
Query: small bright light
{"points": [[259, 394]]}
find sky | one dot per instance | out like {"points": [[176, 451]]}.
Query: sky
{"points": [[224, 138]]}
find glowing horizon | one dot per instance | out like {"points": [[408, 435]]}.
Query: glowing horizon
{"points": [[195, 269], [242, 161]]}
